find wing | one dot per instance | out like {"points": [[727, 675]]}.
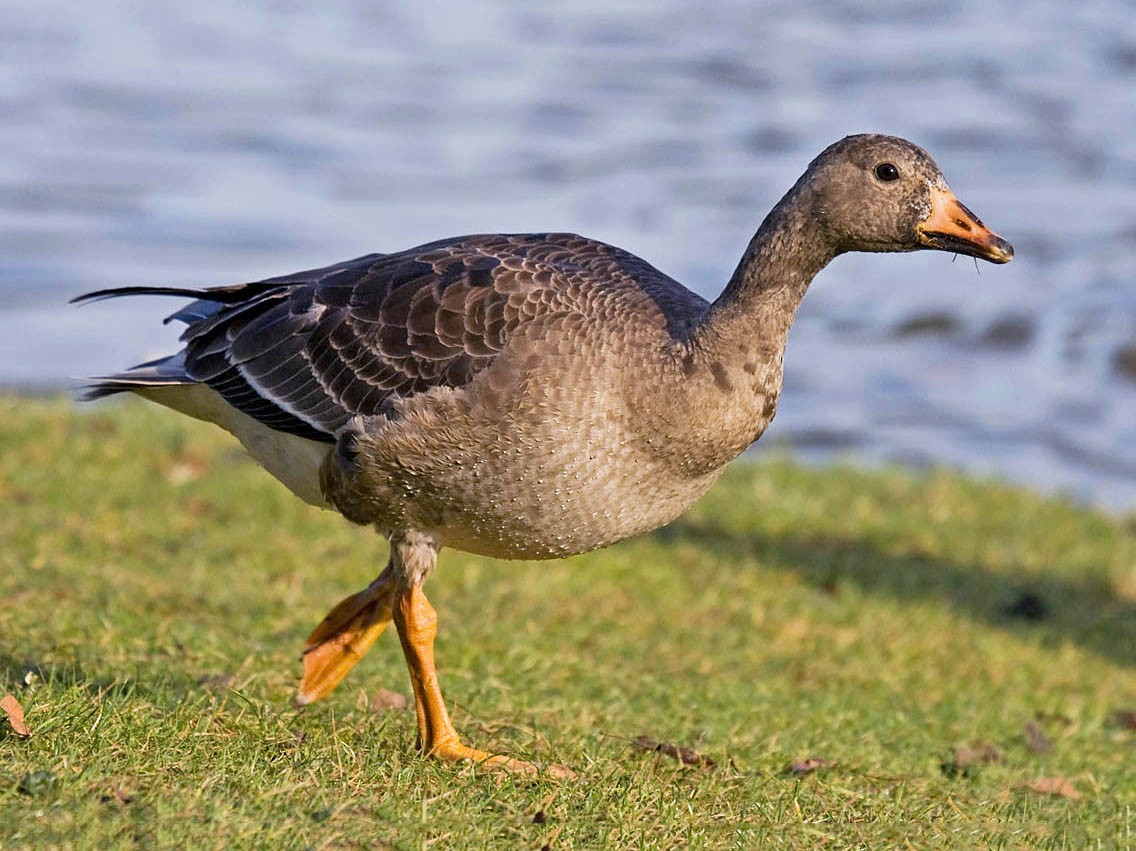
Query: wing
{"points": [[306, 352]]}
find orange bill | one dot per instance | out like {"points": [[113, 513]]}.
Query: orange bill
{"points": [[952, 227]]}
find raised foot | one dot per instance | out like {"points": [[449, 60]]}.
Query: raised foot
{"points": [[455, 751], [341, 639]]}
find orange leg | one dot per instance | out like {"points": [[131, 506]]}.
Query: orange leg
{"points": [[417, 625], [341, 639]]}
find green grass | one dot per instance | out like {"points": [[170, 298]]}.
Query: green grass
{"points": [[156, 587]]}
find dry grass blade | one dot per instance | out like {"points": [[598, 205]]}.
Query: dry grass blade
{"points": [[686, 756], [801, 767], [1056, 786]]}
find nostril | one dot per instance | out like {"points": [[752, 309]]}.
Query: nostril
{"points": [[968, 211], [962, 223]]}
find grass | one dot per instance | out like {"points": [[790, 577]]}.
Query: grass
{"points": [[156, 587]]}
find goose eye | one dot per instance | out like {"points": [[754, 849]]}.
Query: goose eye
{"points": [[887, 172]]}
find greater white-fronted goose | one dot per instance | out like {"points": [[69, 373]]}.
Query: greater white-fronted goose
{"points": [[521, 396]]}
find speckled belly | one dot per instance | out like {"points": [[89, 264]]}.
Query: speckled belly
{"points": [[576, 504], [565, 485]]}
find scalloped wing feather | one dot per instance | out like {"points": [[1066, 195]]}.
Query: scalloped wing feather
{"points": [[304, 353]]}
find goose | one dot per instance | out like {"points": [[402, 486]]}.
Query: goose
{"points": [[520, 396]]}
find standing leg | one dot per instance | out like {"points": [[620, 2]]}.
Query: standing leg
{"points": [[414, 557]]}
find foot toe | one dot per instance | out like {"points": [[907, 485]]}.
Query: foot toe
{"points": [[457, 752]]}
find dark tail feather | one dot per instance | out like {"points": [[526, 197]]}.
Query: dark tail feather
{"points": [[165, 372], [105, 386], [115, 292], [208, 302], [221, 295]]}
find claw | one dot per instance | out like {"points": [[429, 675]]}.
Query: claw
{"points": [[455, 751]]}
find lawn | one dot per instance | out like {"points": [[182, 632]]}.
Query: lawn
{"points": [[947, 664]]}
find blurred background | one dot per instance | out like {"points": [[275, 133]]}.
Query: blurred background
{"points": [[208, 142]]}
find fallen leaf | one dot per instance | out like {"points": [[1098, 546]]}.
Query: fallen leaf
{"points": [[384, 700], [801, 767], [1056, 786], [15, 714], [1125, 719], [684, 755], [966, 759], [1036, 740]]}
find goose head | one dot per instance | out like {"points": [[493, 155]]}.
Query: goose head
{"points": [[882, 193]]}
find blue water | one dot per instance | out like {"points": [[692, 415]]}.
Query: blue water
{"points": [[210, 142]]}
